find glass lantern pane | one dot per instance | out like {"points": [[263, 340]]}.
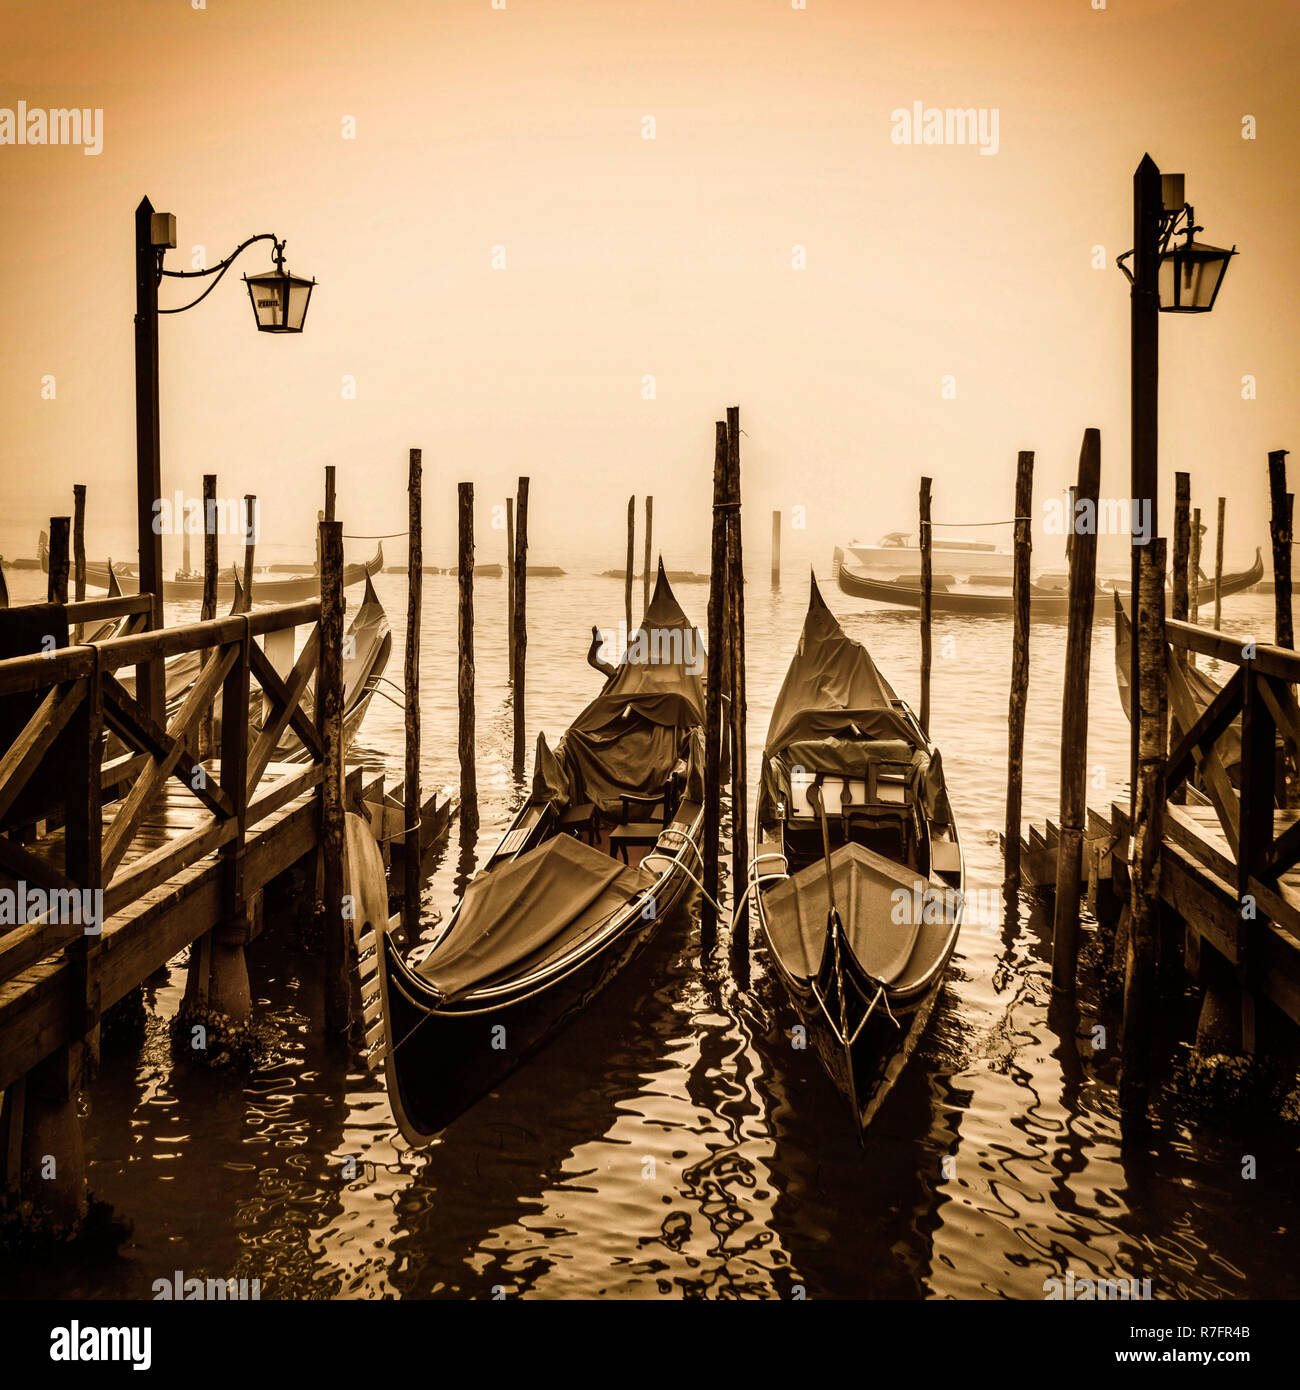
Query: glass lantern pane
{"points": [[299, 294], [268, 300]]}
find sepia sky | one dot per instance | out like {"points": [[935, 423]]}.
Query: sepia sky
{"points": [[625, 257]]}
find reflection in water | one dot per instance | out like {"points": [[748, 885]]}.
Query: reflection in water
{"points": [[672, 1142]]}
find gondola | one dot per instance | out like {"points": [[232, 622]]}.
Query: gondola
{"points": [[1044, 603], [857, 871], [288, 590], [604, 847]]}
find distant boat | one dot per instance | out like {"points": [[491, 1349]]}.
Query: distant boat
{"points": [[898, 552], [674, 576], [995, 599], [289, 590]]}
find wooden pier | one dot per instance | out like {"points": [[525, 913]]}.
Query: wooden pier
{"points": [[1229, 867]]}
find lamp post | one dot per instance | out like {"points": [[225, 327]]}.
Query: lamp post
{"points": [[1166, 278], [279, 306]]}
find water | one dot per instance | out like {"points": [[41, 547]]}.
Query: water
{"points": [[671, 1143]]}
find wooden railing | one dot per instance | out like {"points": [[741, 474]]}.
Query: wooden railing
{"points": [[1260, 690], [83, 700]]}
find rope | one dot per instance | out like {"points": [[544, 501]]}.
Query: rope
{"points": [[382, 536]]}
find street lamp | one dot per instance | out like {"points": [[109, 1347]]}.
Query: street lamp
{"points": [[279, 305], [1165, 278]]}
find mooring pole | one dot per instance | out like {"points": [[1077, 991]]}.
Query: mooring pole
{"points": [[521, 619], [150, 242], [207, 744], [1280, 530], [1074, 721], [510, 588], [465, 645], [926, 600], [628, 573], [739, 758], [1194, 572], [1182, 543], [649, 553], [250, 541], [713, 681], [1144, 380], [57, 582], [1218, 567], [411, 829], [1150, 715], [78, 547], [329, 713], [776, 549], [331, 496], [1019, 662]]}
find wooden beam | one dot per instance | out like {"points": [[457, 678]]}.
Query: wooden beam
{"points": [[1023, 534]]}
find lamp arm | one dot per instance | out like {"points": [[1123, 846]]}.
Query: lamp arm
{"points": [[220, 268]]}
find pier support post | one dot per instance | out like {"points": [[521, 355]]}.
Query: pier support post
{"points": [[331, 493], [209, 609], [44, 1159], [1194, 574], [927, 573], [329, 713], [713, 683], [1074, 720], [521, 621], [1182, 543], [1019, 663], [411, 831], [776, 549], [465, 644], [1150, 710]]}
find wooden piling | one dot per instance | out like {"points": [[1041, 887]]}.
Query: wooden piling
{"points": [[521, 619], [1150, 710], [1074, 723], [1194, 570], [1218, 566], [776, 549], [1073, 515], [411, 678], [78, 548], [926, 601], [331, 496], [465, 645], [627, 575], [1280, 530], [649, 554], [250, 541], [1182, 542], [57, 583], [1023, 542], [736, 639], [207, 743], [510, 588], [713, 681], [329, 713]]}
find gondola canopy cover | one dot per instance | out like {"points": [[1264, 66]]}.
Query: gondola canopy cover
{"points": [[627, 741]]}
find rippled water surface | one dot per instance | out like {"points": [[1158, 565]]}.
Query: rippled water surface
{"points": [[670, 1142]]}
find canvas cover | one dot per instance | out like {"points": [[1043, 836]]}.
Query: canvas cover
{"points": [[517, 914], [628, 740], [876, 899]]}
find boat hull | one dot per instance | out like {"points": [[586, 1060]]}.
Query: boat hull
{"points": [[441, 1059], [1054, 606]]}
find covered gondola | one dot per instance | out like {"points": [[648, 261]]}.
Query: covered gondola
{"points": [[604, 847], [858, 869]]}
